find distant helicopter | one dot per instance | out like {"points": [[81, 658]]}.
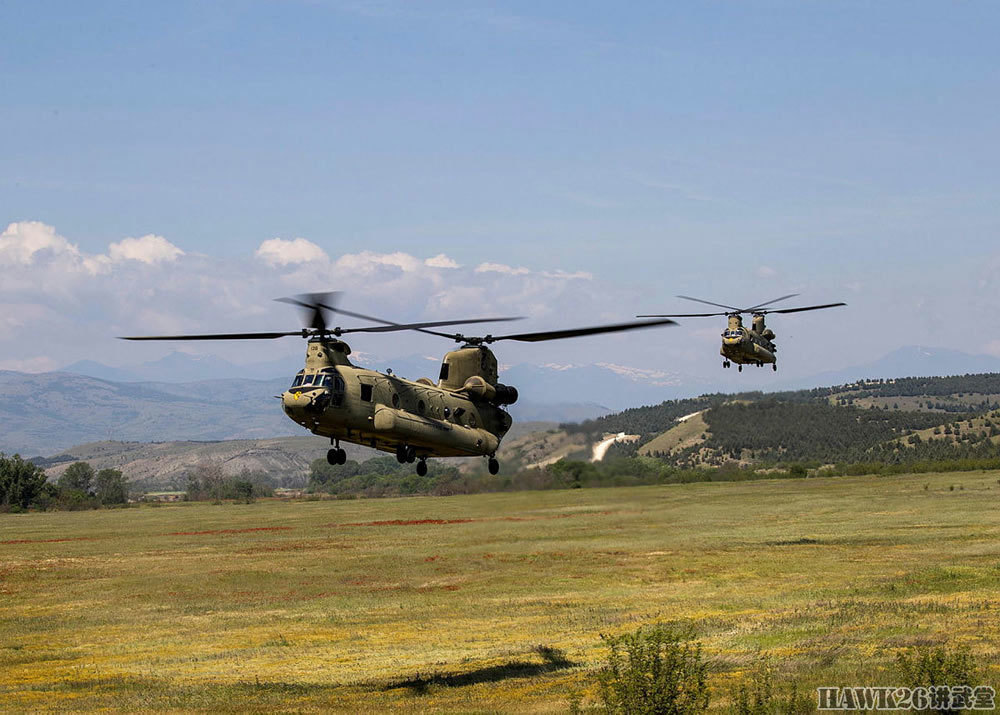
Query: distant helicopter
{"points": [[740, 345], [464, 414]]}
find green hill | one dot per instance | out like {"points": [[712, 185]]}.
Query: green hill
{"points": [[879, 422]]}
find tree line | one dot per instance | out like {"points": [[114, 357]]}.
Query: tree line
{"points": [[23, 486]]}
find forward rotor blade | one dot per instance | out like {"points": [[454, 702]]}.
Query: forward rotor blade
{"points": [[359, 316], [683, 315], [312, 300], [392, 327], [313, 305], [220, 336], [708, 302], [323, 301], [809, 307], [761, 305], [580, 332]]}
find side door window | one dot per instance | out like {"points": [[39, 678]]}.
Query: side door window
{"points": [[337, 388]]}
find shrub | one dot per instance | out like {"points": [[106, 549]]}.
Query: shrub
{"points": [[929, 667], [797, 470], [21, 483], [656, 669], [110, 487], [77, 477], [755, 695]]}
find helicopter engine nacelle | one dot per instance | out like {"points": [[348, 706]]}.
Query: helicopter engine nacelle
{"points": [[506, 394], [476, 386], [498, 394]]}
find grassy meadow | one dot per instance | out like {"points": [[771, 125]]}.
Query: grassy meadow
{"points": [[489, 602]]}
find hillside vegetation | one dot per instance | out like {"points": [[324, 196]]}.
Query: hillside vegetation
{"points": [[868, 421], [48, 413], [844, 429], [163, 465], [683, 436]]}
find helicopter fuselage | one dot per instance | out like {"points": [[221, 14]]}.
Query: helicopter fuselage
{"points": [[745, 346], [464, 414], [333, 398], [748, 348]]}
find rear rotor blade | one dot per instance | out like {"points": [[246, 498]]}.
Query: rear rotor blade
{"points": [[579, 332], [392, 327], [683, 315], [220, 336], [708, 302], [809, 307], [761, 305]]}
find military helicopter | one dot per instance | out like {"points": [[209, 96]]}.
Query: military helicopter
{"points": [[464, 414], [753, 346]]}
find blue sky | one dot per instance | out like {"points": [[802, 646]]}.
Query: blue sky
{"points": [[732, 150]]}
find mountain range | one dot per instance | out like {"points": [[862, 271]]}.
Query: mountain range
{"points": [[199, 398]]}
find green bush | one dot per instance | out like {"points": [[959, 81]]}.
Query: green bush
{"points": [[656, 669], [929, 667], [21, 483], [110, 487], [755, 694]]}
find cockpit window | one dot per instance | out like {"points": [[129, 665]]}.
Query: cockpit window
{"points": [[297, 381], [307, 380]]}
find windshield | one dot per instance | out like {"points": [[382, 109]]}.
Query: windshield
{"points": [[329, 380]]}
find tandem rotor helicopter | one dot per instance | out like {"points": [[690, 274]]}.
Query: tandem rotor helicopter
{"points": [[463, 415], [741, 345]]}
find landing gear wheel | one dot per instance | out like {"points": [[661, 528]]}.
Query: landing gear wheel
{"points": [[406, 454], [774, 366], [421, 468], [725, 363], [336, 456], [493, 466], [739, 368]]}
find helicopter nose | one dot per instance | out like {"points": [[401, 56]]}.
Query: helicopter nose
{"points": [[295, 401]]}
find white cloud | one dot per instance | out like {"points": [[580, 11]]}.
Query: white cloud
{"points": [[14, 316], [562, 275], [369, 262], [281, 252], [502, 268], [146, 249], [27, 243], [21, 242], [441, 261], [51, 284], [39, 363], [992, 348], [766, 272]]}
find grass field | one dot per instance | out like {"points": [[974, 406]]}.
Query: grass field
{"points": [[489, 602]]}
